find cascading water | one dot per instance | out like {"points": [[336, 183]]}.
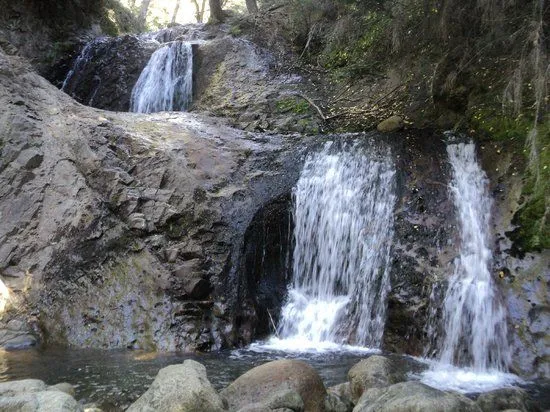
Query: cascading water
{"points": [[343, 216], [81, 61], [166, 83], [474, 321]]}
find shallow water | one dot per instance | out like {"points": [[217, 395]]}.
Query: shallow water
{"points": [[114, 379]]}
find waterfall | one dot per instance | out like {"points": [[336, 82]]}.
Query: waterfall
{"points": [[343, 216], [474, 320], [80, 63], [166, 83]]}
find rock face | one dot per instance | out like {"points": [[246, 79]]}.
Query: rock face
{"points": [[233, 78], [35, 396], [413, 396], [374, 372], [106, 70], [180, 388], [122, 230], [258, 384]]}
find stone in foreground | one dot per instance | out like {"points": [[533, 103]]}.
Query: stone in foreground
{"points": [[259, 384], [373, 372], [180, 388], [413, 397]]}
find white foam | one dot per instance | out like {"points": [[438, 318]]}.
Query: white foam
{"points": [[467, 380], [304, 345]]}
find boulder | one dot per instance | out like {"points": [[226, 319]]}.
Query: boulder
{"points": [[502, 399], [182, 388], [373, 372], [257, 385], [44, 401], [391, 124], [13, 388], [339, 398], [284, 400], [413, 397]]}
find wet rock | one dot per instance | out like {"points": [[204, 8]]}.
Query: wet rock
{"points": [[182, 387], [259, 383], [391, 124], [413, 396], [503, 399], [373, 372], [109, 71]]}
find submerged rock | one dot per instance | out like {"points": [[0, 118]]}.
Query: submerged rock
{"points": [[258, 385], [413, 396], [182, 388]]}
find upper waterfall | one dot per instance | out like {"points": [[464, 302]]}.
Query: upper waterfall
{"points": [[343, 215], [166, 83]]}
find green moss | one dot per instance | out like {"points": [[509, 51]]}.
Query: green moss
{"points": [[295, 105], [235, 30], [533, 231], [499, 126], [362, 55]]}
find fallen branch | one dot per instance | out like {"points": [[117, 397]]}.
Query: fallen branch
{"points": [[272, 323]]}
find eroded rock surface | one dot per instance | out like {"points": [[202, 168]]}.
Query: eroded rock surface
{"points": [[122, 230]]}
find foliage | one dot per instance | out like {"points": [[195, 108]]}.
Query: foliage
{"points": [[293, 104]]}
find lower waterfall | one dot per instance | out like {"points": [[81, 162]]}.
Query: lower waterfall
{"points": [[166, 83], [343, 216], [474, 320]]}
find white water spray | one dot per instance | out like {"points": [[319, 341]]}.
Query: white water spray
{"points": [[343, 215], [474, 320], [166, 83]]}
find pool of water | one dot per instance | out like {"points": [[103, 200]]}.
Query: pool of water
{"points": [[114, 379]]}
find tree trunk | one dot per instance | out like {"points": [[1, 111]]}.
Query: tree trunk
{"points": [[142, 18], [199, 10], [216, 12], [252, 6], [176, 9]]}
